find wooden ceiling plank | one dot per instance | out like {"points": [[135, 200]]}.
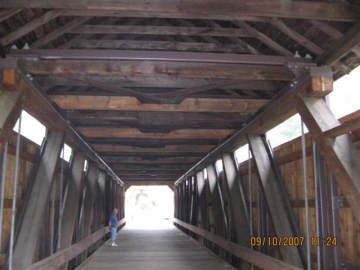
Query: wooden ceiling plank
{"points": [[265, 39], [70, 102], [30, 26], [58, 32], [303, 41], [199, 8]]}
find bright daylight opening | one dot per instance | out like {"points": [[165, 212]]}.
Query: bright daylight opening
{"points": [[149, 207], [31, 128], [345, 98]]}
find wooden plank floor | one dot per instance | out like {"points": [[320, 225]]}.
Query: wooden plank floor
{"points": [[155, 249]]}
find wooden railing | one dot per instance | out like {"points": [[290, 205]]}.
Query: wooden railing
{"points": [[63, 256], [251, 256]]}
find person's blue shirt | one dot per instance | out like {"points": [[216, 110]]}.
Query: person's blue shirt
{"points": [[113, 221]]}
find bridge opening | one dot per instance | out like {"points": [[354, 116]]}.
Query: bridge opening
{"points": [[149, 207]]}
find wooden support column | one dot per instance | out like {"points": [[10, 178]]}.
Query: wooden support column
{"points": [[340, 155], [26, 245], [71, 208], [10, 109], [270, 187], [240, 221]]}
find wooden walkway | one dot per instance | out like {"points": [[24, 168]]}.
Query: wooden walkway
{"points": [[165, 249]]}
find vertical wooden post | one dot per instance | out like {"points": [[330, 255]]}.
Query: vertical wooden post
{"points": [[71, 208], [280, 218], [26, 244], [10, 109]]}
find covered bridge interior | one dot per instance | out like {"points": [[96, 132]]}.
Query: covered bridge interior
{"points": [[163, 93]]}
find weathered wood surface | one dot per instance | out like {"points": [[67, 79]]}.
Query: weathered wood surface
{"points": [[224, 66], [155, 250], [28, 238], [251, 256], [70, 102], [202, 9]]}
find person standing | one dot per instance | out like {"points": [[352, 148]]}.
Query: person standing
{"points": [[113, 223]]}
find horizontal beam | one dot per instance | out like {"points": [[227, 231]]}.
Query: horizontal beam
{"points": [[114, 161], [249, 255], [71, 102], [146, 142], [148, 121], [55, 261], [152, 154], [149, 172], [151, 178], [346, 127], [125, 55], [153, 45], [200, 9], [48, 82], [159, 30], [149, 183], [135, 133], [166, 149], [149, 167]]}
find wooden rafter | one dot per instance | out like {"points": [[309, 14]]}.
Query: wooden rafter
{"points": [[7, 13], [58, 32], [303, 41], [265, 39], [30, 26], [341, 47]]}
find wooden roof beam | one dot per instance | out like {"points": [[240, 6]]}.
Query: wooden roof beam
{"points": [[159, 56], [166, 149], [71, 102], [135, 133], [153, 45], [159, 30], [202, 9]]}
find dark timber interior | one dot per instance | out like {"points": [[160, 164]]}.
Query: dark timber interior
{"points": [[154, 93]]}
